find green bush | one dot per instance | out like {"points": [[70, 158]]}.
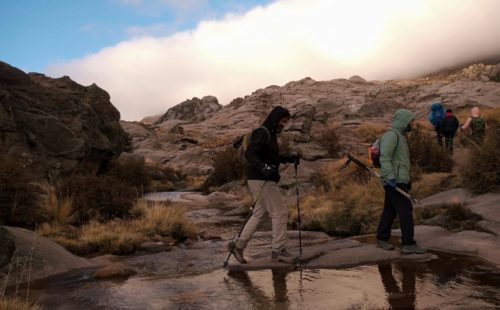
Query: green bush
{"points": [[98, 197], [480, 172], [426, 153], [19, 196], [228, 167]]}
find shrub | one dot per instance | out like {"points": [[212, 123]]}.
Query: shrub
{"points": [[370, 132], [58, 209], [131, 170], [19, 196], [227, 167], [99, 197], [455, 217], [329, 139], [426, 153], [480, 172]]}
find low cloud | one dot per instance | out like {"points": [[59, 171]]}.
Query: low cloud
{"points": [[289, 40]]}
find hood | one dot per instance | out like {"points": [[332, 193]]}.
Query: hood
{"points": [[274, 117], [436, 106], [401, 119]]}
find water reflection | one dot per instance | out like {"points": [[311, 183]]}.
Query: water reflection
{"points": [[280, 296], [399, 297]]}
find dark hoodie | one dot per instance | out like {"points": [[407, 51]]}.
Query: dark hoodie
{"points": [[260, 152]]}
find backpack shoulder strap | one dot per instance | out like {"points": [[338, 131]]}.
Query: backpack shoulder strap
{"points": [[267, 132], [397, 136]]}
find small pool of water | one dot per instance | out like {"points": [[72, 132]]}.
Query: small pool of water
{"points": [[450, 282]]}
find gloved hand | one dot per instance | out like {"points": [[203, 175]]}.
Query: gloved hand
{"points": [[293, 158], [391, 184], [269, 172]]}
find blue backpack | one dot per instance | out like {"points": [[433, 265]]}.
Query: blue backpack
{"points": [[436, 115]]}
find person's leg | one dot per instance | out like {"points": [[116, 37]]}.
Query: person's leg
{"points": [[386, 218], [279, 216], [259, 211], [404, 209], [449, 144], [439, 137]]}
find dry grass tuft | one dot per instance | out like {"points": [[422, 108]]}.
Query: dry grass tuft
{"points": [[8, 303], [122, 237], [370, 132], [480, 172]]}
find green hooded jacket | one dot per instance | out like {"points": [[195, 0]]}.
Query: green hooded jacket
{"points": [[394, 154]]}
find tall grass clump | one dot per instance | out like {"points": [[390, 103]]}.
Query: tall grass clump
{"points": [[330, 140], [16, 303], [480, 172], [347, 203], [370, 132], [228, 167], [426, 153]]}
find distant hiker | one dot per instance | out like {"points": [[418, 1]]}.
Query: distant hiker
{"points": [[263, 176], [436, 115], [477, 125], [449, 126], [395, 169]]}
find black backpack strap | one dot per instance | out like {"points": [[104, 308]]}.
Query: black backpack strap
{"points": [[268, 133]]}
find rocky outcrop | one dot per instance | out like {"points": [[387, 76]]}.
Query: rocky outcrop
{"points": [[194, 110], [316, 105], [56, 126], [37, 257]]}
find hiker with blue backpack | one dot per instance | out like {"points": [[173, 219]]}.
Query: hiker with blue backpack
{"points": [[436, 115], [263, 157], [395, 171]]}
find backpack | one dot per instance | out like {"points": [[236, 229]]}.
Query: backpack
{"points": [[436, 116], [374, 150], [242, 143], [477, 126]]}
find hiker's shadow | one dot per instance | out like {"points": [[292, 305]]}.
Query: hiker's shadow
{"points": [[262, 300], [399, 297]]}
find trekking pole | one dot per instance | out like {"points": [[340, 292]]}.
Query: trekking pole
{"points": [[296, 163], [360, 164], [244, 224]]}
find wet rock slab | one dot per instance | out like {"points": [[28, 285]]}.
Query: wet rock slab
{"points": [[332, 254]]}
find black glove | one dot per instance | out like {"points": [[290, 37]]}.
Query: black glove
{"points": [[293, 158], [269, 172]]}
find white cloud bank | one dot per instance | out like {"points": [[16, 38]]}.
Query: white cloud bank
{"points": [[289, 40]]}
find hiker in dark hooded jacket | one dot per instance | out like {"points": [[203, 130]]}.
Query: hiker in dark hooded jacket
{"points": [[263, 176], [435, 117], [449, 126]]}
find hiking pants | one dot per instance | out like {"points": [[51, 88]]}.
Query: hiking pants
{"points": [[396, 204], [448, 141], [270, 202], [439, 137]]}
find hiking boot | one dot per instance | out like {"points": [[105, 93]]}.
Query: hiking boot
{"points": [[413, 249], [384, 245], [237, 252], [283, 256]]}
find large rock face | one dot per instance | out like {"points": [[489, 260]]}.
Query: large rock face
{"points": [[181, 141], [192, 110], [56, 126]]}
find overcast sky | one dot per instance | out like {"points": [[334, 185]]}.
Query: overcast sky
{"points": [[152, 54]]}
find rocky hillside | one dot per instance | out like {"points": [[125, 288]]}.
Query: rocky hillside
{"points": [[189, 143], [56, 126]]}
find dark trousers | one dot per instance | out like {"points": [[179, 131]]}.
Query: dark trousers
{"points": [[439, 137], [396, 204], [448, 141]]}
